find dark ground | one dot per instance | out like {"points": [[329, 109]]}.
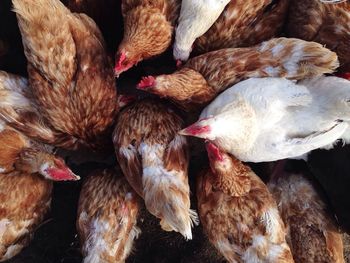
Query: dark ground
{"points": [[55, 240]]}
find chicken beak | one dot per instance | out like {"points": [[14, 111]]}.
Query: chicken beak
{"points": [[197, 130]]}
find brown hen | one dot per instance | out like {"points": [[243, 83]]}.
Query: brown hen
{"points": [[311, 232], [148, 30], [24, 201], [71, 81], [26, 156], [238, 213], [203, 77], [328, 24], [236, 24], [154, 160], [107, 217]]}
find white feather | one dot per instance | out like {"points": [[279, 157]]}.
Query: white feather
{"points": [[196, 17], [268, 119]]}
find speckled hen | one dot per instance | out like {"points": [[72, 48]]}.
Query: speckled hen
{"points": [[241, 24], [325, 23], [107, 217], [24, 201], [71, 81], [238, 213], [148, 30], [205, 76], [311, 231], [154, 160], [239, 18]]}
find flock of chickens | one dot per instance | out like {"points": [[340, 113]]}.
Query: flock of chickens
{"points": [[266, 80]]}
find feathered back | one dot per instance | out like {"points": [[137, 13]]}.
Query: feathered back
{"points": [[107, 217], [71, 79]]}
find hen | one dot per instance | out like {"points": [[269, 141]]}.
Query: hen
{"points": [[238, 18], [70, 78], [107, 217], [20, 154], [148, 30], [24, 202], [205, 76], [154, 160], [328, 24], [243, 23], [268, 119], [311, 232], [238, 213]]}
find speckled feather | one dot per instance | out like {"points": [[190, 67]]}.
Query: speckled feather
{"points": [[148, 29], [312, 233], [267, 25], [107, 217], [24, 201], [236, 209], [328, 24], [18, 111], [70, 77], [203, 77], [229, 28], [154, 159]]}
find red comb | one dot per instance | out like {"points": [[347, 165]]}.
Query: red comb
{"points": [[146, 82], [344, 75], [213, 152]]}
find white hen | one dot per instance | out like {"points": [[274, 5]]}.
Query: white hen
{"points": [[268, 119], [196, 17]]}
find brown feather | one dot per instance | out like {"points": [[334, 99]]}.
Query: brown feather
{"points": [[229, 30], [233, 205], [205, 76], [154, 160], [24, 202], [12, 144], [327, 24], [107, 214], [69, 74], [312, 233], [148, 29]]}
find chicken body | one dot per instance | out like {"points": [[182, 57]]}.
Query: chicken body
{"points": [[311, 232], [238, 213], [231, 28], [196, 17], [71, 81], [148, 30], [24, 202], [241, 24], [205, 76], [107, 217], [326, 23], [154, 159], [268, 119]]}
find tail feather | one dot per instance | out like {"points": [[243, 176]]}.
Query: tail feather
{"points": [[296, 59], [166, 192], [46, 36], [17, 111]]}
